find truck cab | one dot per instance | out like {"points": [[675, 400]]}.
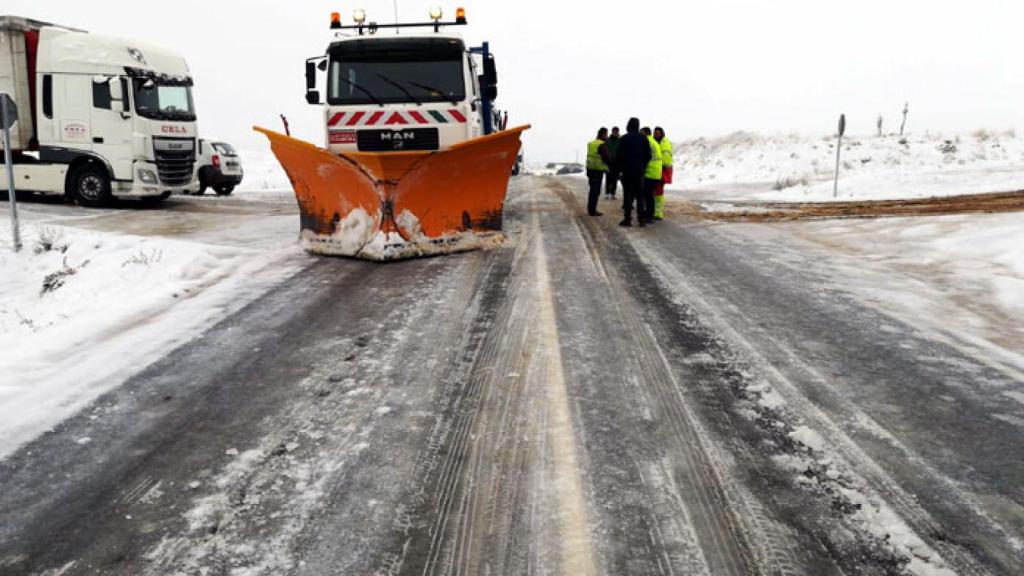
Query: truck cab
{"points": [[410, 92], [98, 117]]}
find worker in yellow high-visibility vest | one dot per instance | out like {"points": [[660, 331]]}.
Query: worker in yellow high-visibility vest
{"points": [[652, 177], [598, 158], [666, 172]]}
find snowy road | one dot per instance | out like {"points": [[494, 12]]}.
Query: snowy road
{"points": [[690, 398]]}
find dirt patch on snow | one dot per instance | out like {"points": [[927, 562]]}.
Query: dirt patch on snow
{"points": [[784, 211]]}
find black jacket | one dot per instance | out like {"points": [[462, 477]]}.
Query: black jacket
{"points": [[634, 150]]}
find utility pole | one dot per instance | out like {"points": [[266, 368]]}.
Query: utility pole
{"points": [[395, 2], [906, 109], [839, 149], [8, 115]]}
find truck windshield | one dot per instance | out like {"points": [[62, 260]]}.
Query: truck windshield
{"points": [[163, 101], [393, 71]]}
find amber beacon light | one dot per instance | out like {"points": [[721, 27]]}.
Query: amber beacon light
{"points": [[335, 20], [460, 15]]}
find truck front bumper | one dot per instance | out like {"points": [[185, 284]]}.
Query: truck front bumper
{"points": [[146, 184]]}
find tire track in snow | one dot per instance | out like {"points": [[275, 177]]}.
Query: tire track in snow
{"points": [[509, 453], [703, 484], [878, 483]]}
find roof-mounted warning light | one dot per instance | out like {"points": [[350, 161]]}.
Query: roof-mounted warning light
{"points": [[360, 24], [335, 20]]}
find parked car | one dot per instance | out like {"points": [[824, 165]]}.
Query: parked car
{"points": [[218, 166]]}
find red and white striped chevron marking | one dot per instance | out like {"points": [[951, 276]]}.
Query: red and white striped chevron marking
{"points": [[396, 118]]}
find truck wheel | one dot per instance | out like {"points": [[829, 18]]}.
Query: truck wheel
{"points": [[224, 189], [91, 186]]}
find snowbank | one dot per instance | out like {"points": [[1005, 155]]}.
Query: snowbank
{"points": [[980, 253], [745, 166], [81, 311], [263, 173]]}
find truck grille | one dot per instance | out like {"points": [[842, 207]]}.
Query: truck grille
{"points": [[175, 160]]}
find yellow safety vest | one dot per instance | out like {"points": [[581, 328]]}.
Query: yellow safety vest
{"points": [[666, 152], [594, 160], [654, 166]]}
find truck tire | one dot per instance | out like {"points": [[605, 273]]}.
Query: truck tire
{"points": [[90, 186], [201, 190], [224, 189]]}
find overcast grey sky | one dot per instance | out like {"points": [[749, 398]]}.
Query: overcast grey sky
{"points": [[697, 67]]}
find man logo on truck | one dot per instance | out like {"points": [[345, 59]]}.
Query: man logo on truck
{"points": [[398, 136]]}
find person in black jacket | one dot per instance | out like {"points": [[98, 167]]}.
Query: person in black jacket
{"points": [[632, 156]]}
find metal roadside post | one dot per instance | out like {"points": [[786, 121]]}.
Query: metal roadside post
{"points": [[839, 148], [9, 115]]}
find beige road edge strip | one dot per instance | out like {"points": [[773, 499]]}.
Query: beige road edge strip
{"points": [[576, 550]]}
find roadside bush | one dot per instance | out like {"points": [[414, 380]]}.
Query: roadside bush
{"points": [[48, 239], [55, 280], [789, 182], [144, 258]]}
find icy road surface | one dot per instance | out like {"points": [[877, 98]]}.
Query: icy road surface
{"points": [[690, 398]]}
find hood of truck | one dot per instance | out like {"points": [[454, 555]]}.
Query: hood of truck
{"points": [[71, 52]]}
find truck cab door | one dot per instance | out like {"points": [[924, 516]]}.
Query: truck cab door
{"points": [[112, 124]]}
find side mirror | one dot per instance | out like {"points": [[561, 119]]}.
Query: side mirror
{"points": [[489, 80], [488, 90], [310, 74], [115, 91], [312, 64]]}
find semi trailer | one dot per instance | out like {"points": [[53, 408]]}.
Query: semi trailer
{"points": [[98, 117]]}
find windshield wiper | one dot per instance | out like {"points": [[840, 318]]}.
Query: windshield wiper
{"points": [[400, 87], [436, 91], [363, 90]]}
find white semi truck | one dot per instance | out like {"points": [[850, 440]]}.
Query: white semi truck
{"points": [[98, 117]]}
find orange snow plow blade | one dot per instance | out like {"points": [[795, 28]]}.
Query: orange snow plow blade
{"points": [[392, 205]]}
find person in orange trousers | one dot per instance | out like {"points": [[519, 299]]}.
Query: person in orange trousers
{"points": [[666, 172]]}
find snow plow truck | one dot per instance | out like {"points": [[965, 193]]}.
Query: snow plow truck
{"points": [[416, 159]]}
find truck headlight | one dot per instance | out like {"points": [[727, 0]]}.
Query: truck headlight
{"points": [[147, 176]]}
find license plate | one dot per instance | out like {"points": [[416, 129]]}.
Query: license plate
{"points": [[343, 137]]}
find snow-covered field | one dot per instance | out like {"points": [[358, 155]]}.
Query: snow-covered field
{"points": [[751, 167], [262, 172], [83, 310], [967, 271]]}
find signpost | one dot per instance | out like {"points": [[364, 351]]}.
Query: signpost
{"points": [[8, 116], [839, 148]]}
